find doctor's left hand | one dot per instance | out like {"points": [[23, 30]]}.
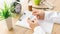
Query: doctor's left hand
{"points": [[32, 23]]}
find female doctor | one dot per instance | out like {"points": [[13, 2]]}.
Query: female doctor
{"points": [[42, 16]]}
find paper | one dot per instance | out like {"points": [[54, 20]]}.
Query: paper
{"points": [[23, 20], [23, 24]]}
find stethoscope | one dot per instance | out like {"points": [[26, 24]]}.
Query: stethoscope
{"points": [[49, 5]]}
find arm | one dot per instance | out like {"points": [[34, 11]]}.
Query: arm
{"points": [[47, 15], [52, 16]]}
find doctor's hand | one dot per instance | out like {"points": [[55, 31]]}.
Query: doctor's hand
{"points": [[39, 14], [32, 23]]}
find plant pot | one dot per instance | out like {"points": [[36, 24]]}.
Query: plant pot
{"points": [[9, 23]]}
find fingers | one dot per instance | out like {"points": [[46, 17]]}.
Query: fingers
{"points": [[28, 20], [32, 23], [35, 13], [38, 16], [35, 20]]}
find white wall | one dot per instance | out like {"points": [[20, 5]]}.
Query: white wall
{"points": [[7, 1], [23, 3]]}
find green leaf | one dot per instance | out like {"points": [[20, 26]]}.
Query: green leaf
{"points": [[6, 11]]}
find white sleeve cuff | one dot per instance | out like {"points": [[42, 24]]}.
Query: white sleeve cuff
{"points": [[38, 30], [49, 16], [52, 16]]}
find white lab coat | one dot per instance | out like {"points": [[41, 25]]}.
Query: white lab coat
{"points": [[49, 17]]}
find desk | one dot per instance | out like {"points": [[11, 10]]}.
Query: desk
{"points": [[56, 29]]}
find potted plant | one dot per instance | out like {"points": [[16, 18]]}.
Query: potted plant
{"points": [[6, 13]]}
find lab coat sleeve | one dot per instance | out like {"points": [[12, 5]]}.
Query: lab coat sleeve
{"points": [[52, 16], [38, 30]]}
